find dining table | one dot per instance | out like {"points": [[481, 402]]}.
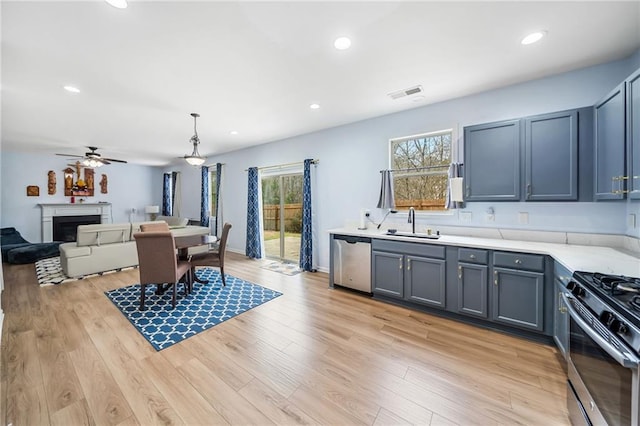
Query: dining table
{"points": [[184, 242]]}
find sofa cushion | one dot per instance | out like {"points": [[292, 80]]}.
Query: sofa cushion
{"points": [[174, 221], [135, 228], [97, 235], [70, 250], [11, 236]]}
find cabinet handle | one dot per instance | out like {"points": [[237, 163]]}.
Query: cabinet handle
{"points": [[400, 263], [620, 184], [518, 261], [459, 271], [561, 306], [529, 190], [467, 191], [495, 277], [473, 256], [408, 264]]}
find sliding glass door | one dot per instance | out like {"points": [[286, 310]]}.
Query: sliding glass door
{"points": [[282, 216]]}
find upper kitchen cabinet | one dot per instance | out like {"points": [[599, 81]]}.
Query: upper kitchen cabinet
{"points": [[492, 161], [551, 157], [633, 134], [610, 145]]}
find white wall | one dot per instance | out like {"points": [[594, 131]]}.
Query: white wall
{"points": [[352, 155], [130, 186]]}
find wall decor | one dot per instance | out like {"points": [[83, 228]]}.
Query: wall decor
{"points": [[68, 181], [51, 182], [33, 191], [103, 184]]}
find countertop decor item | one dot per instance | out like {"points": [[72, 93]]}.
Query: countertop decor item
{"points": [[195, 159]]}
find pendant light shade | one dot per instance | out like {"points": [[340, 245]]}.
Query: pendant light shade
{"points": [[195, 159]]}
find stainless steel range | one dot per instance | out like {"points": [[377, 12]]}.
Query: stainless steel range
{"points": [[604, 349]]}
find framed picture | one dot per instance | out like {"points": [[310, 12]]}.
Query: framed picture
{"points": [[33, 191]]}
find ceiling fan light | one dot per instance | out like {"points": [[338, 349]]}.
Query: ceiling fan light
{"points": [[92, 163]]}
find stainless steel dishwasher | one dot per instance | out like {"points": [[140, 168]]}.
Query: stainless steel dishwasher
{"points": [[352, 262]]}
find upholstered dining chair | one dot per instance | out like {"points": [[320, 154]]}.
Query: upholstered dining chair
{"points": [[158, 263], [155, 226], [214, 257]]}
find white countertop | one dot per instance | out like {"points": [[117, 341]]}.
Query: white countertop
{"points": [[574, 257]]}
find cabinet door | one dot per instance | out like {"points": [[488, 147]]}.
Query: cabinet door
{"points": [[517, 298], [387, 274], [472, 290], [610, 145], [551, 157], [633, 134], [492, 161], [425, 281], [560, 320]]}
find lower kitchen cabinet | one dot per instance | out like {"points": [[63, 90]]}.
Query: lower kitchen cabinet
{"points": [[560, 316], [412, 272], [425, 281], [518, 298], [388, 274], [472, 290]]}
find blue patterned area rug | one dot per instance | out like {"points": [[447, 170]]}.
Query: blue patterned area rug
{"points": [[208, 305]]}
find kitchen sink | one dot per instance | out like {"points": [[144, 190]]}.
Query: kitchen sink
{"points": [[414, 235]]}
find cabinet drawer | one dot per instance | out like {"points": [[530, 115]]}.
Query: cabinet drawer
{"points": [[416, 249], [532, 262], [473, 256]]}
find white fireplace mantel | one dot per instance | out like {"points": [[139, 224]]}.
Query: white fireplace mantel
{"points": [[49, 211]]}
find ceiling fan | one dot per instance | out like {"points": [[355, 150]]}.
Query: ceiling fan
{"points": [[93, 159]]}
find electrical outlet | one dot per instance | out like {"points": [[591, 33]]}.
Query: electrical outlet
{"points": [[133, 210], [367, 213], [523, 218], [466, 216]]}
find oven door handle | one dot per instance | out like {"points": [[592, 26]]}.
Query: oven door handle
{"points": [[625, 359]]}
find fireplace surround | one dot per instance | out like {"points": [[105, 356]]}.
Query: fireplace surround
{"points": [[49, 211]]}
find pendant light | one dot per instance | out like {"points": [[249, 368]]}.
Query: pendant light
{"points": [[195, 159]]}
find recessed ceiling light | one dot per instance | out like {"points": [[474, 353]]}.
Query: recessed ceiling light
{"points": [[418, 98], [342, 43], [72, 89], [233, 132], [120, 4], [314, 106], [533, 37]]}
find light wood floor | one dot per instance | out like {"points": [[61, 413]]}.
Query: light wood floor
{"points": [[311, 356]]}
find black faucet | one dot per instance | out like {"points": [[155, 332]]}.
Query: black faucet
{"points": [[412, 219]]}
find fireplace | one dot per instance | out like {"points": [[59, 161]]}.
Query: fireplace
{"points": [[73, 212], [65, 227]]}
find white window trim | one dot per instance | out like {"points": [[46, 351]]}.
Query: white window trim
{"points": [[454, 155]]}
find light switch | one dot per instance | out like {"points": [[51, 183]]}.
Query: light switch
{"points": [[631, 221]]}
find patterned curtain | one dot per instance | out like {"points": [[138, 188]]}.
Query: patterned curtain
{"points": [[204, 196], [174, 186], [253, 249], [166, 194], [218, 212], [306, 241]]}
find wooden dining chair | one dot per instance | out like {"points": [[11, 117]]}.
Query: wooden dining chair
{"points": [[158, 263], [154, 226], [214, 257]]}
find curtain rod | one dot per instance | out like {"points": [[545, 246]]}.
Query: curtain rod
{"points": [[214, 164], [414, 169], [314, 161]]}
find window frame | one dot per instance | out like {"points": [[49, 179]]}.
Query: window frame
{"points": [[453, 153]]}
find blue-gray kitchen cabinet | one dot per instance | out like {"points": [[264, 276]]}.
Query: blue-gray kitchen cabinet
{"points": [[387, 274], [610, 145], [472, 289], [413, 272], [633, 134], [492, 161], [561, 317], [517, 293], [551, 157]]}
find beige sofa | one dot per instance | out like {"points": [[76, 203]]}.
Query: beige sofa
{"points": [[107, 247]]}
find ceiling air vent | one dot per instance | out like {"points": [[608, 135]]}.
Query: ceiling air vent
{"points": [[406, 92]]}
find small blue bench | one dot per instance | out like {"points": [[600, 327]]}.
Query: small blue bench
{"points": [[17, 250]]}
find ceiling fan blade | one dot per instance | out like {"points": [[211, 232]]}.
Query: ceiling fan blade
{"points": [[114, 160], [71, 155]]}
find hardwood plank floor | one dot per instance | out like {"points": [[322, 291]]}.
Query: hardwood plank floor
{"points": [[312, 356]]}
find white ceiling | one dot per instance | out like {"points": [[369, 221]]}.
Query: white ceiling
{"points": [[255, 67]]}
